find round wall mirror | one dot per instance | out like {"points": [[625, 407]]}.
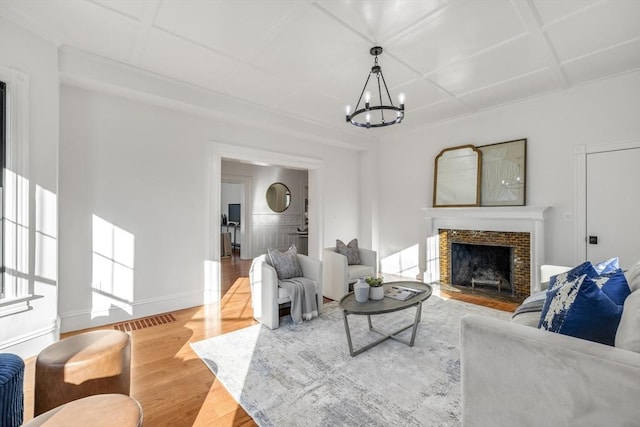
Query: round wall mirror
{"points": [[278, 197]]}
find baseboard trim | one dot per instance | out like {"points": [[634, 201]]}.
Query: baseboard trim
{"points": [[82, 319], [28, 345]]}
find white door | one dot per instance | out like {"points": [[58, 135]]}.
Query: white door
{"points": [[613, 206]]}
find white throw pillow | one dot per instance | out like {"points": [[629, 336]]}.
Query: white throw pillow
{"points": [[628, 333]]}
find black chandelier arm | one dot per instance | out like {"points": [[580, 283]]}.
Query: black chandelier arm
{"points": [[380, 94], [364, 88], [385, 88]]}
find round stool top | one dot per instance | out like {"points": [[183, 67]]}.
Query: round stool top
{"points": [[100, 410], [10, 366], [83, 347]]}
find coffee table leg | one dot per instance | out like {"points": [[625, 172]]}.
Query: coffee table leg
{"points": [[348, 332], [415, 324]]}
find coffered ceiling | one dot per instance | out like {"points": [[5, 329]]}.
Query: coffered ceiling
{"points": [[310, 58]]}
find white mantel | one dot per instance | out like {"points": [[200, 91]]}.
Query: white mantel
{"points": [[522, 219]]}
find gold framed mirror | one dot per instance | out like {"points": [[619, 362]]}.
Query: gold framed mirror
{"points": [[457, 177], [278, 197]]}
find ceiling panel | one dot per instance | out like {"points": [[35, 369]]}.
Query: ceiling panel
{"points": [[307, 43], [552, 10], [511, 90], [379, 20], [81, 24], [604, 25], [506, 61], [444, 110], [132, 8], [174, 57], [311, 58], [420, 92], [456, 32], [232, 27], [620, 59]]}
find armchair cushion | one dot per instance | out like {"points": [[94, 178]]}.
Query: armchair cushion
{"points": [[350, 250], [286, 263]]}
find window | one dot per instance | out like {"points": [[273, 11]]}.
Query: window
{"points": [[15, 288], [3, 144]]}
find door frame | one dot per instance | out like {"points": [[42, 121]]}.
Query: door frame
{"points": [[315, 168], [245, 233], [580, 199]]}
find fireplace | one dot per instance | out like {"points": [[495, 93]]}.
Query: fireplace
{"points": [[519, 229], [495, 259], [486, 266]]}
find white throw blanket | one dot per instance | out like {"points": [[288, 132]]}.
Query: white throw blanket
{"points": [[302, 293]]}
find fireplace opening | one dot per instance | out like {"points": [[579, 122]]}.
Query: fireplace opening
{"points": [[482, 266]]}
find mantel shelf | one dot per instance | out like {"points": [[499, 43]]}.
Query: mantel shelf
{"points": [[534, 213]]}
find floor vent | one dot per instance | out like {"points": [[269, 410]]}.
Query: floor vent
{"points": [[146, 322]]}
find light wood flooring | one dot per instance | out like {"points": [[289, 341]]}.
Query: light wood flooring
{"points": [[171, 383]]}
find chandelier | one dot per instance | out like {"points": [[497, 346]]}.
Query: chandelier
{"points": [[375, 116]]}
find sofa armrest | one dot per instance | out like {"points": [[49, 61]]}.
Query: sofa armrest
{"points": [[518, 375], [335, 274], [370, 258], [264, 292]]}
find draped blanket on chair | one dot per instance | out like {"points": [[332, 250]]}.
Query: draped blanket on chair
{"points": [[302, 293]]}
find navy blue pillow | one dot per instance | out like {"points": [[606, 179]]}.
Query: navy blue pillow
{"points": [[615, 285], [583, 304]]}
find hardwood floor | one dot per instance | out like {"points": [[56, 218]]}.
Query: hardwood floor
{"points": [[171, 383]]}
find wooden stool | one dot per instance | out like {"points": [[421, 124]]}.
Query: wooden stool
{"points": [[101, 410], [90, 363]]}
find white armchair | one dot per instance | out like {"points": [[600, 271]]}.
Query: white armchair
{"points": [[267, 297], [338, 274]]}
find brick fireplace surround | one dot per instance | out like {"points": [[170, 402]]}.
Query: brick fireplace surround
{"points": [[518, 227], [521, 254]]}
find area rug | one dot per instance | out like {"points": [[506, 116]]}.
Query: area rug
{"points": [[303, 375]]}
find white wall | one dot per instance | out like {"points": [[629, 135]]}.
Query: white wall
{"points": [[146, 169], [28, 332], [602, 112]]}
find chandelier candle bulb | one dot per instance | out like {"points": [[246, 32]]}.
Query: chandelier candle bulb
{"points": [[401, 99]]}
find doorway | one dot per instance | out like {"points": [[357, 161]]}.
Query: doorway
{"points": [[607, 204], [241, 154], [613, 206]]}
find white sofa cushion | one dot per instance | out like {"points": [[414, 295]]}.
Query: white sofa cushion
{"points": [[358, 270], [628, 334]]}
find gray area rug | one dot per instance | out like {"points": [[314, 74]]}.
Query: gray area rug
{"points": [[302, 375]]}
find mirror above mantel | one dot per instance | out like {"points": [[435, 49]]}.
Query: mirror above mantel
{"points": [[457, 177], [489, 175]]}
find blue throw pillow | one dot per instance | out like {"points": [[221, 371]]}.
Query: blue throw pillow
{"points": [[615, 285], [576, 305]]}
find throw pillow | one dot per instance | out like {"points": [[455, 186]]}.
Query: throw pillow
{"points": [[349, 250], [608, 266], [614, 285], [577, 307], [285, 263]]}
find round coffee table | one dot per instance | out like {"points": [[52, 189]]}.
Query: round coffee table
{"points": [[385, 305]]}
